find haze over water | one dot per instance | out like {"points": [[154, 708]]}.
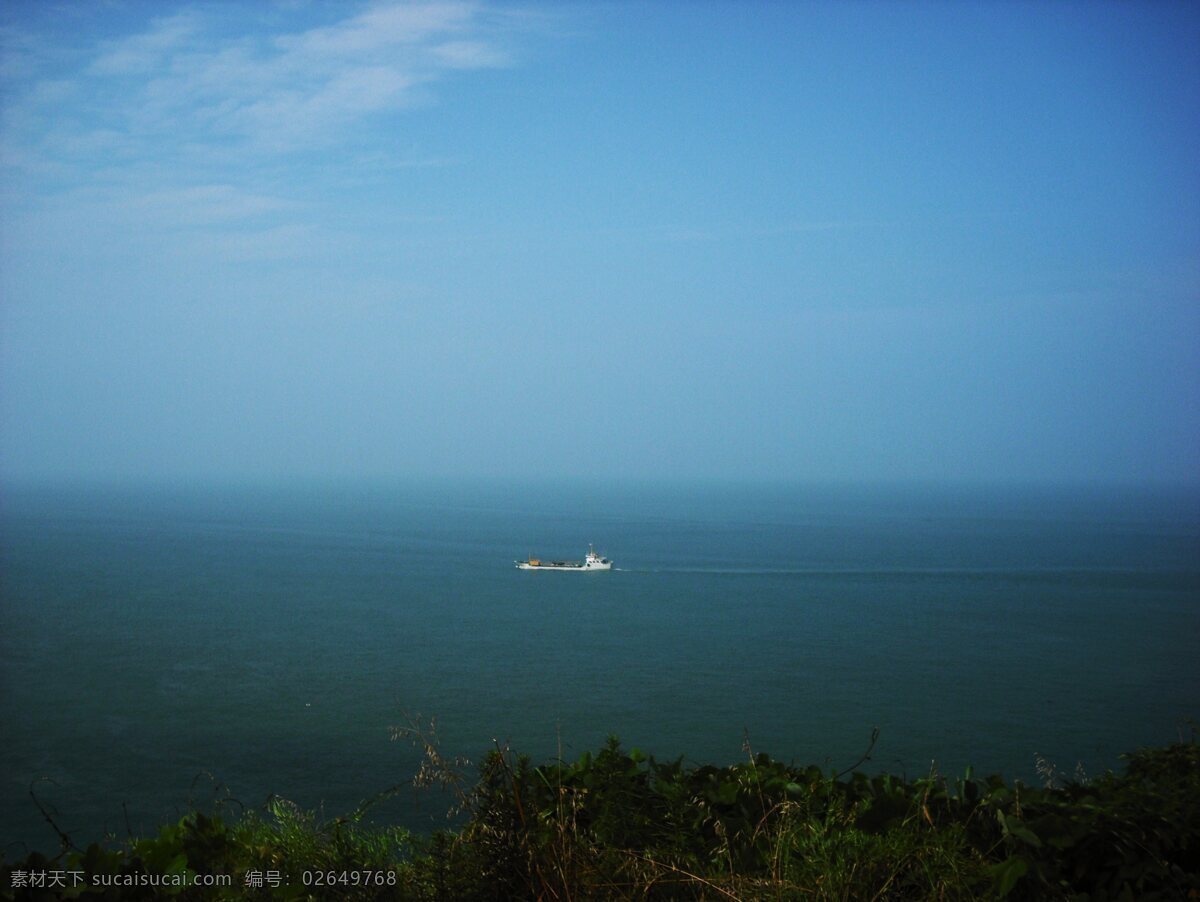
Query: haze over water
{"points": [[270, 637]]}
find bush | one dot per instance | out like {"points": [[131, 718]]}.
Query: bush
{"points": [[619, 824]]}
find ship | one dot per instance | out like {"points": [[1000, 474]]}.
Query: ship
{"points": [[593, 561]]}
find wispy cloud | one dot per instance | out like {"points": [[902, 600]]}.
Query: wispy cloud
{"points": [[203, 204], [381, 28], [202, 115], [469, 55], [146, 51], [182, 76]]}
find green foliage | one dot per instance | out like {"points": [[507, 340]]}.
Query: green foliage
{"points": [[618, 824], [174, 862]]}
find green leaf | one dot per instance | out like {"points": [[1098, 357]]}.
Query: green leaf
{"points": [[1013, 827], [1006, 874], [177, 865]]}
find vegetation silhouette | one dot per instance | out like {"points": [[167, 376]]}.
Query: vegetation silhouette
{"points": [[619, 824]]}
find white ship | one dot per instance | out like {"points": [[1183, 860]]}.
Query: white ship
{"points": [[593, 561]]}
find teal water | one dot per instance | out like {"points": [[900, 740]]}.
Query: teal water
{"points": [[155, 642]]}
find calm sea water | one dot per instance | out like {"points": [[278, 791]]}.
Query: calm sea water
{"points": [[157, 643]]}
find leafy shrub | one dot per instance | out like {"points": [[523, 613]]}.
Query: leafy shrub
{"points": [[619, 824]]}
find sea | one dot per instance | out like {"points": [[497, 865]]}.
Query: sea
{"points": [[163, 647]]}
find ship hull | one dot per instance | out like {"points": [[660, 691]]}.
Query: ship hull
{"points": [[525, 565], [593, 561]]}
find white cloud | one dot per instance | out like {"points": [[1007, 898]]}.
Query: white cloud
{"points": [[193, 130], [204, 204], [382, 27], [186, 81], [296, 118], [143, 52], [470, 55]]}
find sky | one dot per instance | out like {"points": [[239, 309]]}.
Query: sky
{"points": [[853, 241]]}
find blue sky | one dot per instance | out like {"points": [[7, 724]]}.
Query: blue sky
{"points": [[811, 242]]}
